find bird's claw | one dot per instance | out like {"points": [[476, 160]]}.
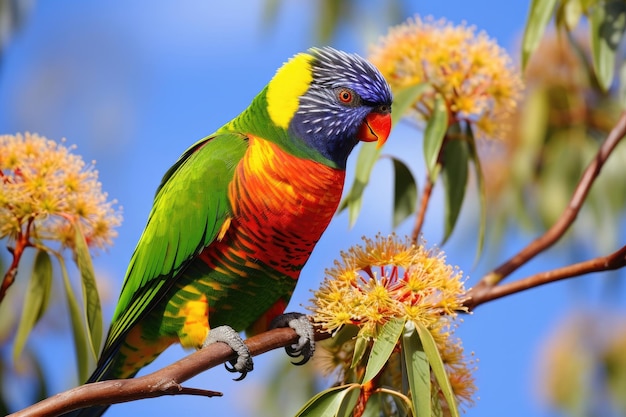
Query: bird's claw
{"points": [[303, 327], [225, 334]]}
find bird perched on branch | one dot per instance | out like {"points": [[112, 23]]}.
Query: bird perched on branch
{"points": [[236, 218]]}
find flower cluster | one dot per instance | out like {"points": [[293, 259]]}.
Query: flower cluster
{"points": [[386, 279], [45, 189], [473, 74]]}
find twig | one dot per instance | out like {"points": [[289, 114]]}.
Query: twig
{"points": [[165, 381], [21, 243], [610, 262], [421, 214], [482, 289]]}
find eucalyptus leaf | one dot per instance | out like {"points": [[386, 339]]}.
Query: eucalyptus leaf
{"points": [[571, 11], [346, 408], [437, 366], [538, 19], [331, 14], [91, 298], [621, 94], [326, 403], [607, 22], [454, 173], [368, 155], [418, 371], [405, 98], [405, 192], [482, 192], [400, 401], [383, 347], [434, 135], [83, 362], [360, 346], [35, 301]]}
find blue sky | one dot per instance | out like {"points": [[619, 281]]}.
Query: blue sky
{"points": [[133, 84]]}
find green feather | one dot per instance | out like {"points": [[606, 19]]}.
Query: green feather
{"points": [[256, 120], [189, 209]]}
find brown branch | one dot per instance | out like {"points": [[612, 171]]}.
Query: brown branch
{"points": [[21, 243], [421, 214], [610, 262], [165, 381], [552, 235]]}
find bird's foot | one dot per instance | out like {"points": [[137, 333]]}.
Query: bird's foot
{"points": [[303, 327], [225, 334]]}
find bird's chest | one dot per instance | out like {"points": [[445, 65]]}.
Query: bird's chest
{"points": [[282, 204]]}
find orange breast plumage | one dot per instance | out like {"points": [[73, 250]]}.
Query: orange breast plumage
{"points": [[282, 204]]}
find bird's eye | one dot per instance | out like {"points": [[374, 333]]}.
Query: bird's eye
{"points": [[345, 95]]}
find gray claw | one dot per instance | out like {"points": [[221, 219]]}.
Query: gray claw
{"points": [[303, 327], [225, 334]]}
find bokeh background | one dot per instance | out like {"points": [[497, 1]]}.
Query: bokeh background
{"points": [[134, 83]]}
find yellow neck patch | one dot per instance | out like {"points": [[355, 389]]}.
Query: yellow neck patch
{"points": [[283, 93]]}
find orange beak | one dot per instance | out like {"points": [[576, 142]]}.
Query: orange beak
{"points": [[375, 127]]}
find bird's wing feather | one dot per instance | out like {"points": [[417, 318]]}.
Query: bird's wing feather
{"points": [[190, 207]]}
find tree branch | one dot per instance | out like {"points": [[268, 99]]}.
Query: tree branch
{"points": [[610, 262], [488, 282], [165, 381], [21, 243], [421, 214]]}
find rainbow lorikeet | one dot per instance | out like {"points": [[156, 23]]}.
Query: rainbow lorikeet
{"points": [[236, 217]]}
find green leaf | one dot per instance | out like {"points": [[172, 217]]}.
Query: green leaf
{"points": [[418, 371], [91, 298], [405, 98], [621, 94], [405, 409], [327, 403], [437, 366], [83, 362], [360, 346], [434, 134], [482, 192], [368, 155], [405, 192], [35, 301], [607, 21], [454, 174], [569, 13], [538, 19], [346, 408], [383, 347], [331, 14]]}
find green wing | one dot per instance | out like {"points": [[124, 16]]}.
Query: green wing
{"points": [[190, 207]]}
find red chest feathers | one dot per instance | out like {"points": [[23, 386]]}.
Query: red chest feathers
{"points": [[282, 204]]}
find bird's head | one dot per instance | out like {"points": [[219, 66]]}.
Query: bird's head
{"points": [[328, 101]]}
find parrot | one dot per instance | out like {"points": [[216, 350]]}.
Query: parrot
{"points": [[237, 216]]}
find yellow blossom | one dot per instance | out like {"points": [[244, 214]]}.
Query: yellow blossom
{"points": [[45, 189], [385, 279], [473, 74]]}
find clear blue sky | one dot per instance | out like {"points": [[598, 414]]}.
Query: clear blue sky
{"points": [[133, 84]]}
